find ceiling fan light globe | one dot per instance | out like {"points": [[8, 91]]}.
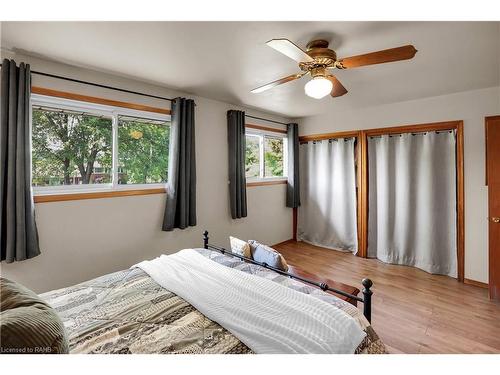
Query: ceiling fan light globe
{"points": [[318, 87]]}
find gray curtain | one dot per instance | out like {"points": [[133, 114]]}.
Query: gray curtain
{"points": [[327, 215], [293, 184], [237, 178], [18, 233], [180, 210], [412, 201]]}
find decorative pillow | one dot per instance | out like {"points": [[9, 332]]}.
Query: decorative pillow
{"points": [[265, 254], [240, 247], [27, 323]]}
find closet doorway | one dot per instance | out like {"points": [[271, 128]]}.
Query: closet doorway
{"points": [[414, 197], [442, 136], [329, 215]]}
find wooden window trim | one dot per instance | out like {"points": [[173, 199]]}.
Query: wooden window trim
{"points": [[46, 198], [267, 183], [96, 195], [97, 100], [266, 128]]}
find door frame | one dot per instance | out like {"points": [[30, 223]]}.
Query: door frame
{"points": [[458, 126], [490, 250], [357, 134], [362, 178]]}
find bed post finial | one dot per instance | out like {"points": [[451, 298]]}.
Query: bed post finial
{"points": [[367, 299], [205, 239]]}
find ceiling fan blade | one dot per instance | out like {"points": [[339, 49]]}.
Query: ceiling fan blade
{"points": [[338, 89], [290, 49], [379, 57], [277, 82]]}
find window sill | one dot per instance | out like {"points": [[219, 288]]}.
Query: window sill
{"points": [[267, 182], [96, 195]]}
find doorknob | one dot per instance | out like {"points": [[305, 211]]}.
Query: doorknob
{"points": [[495, 219]]}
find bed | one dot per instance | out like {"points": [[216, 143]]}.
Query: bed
{"points": [[129, 312]]}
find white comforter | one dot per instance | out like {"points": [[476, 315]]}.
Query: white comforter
{"points": [[265, 316]]}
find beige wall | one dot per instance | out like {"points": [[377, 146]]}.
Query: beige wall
{"points": [[472, 107], [83, 239]]}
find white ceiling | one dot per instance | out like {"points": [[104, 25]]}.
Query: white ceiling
{"points": [[225, 60]]}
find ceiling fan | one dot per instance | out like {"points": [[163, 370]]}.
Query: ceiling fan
{"points": [[318, 61]]}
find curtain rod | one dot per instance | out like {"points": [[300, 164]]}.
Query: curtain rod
{"points": [[413, 133], [98, 85], [330, 140], [128, 91], [265, 119]]}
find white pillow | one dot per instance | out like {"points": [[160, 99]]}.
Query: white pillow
{"points": [[240, 247]]}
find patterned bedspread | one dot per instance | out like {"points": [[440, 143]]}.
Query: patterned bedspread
{"points": [[128, 312]]}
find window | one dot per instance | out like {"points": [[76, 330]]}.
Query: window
{"points": [[83, 146], [70, 148], [252, 156], [142, 151], [265, 156], [273, 156]]}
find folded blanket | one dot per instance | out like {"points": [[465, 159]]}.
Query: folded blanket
{"points": [[266, 316]]}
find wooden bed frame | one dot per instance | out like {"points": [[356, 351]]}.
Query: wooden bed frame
{"points": [[296, 273]]}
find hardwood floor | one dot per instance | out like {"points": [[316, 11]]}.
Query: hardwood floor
{"points": [[413, 311]]}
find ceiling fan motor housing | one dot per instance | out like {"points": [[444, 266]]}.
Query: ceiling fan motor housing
{"points": [[318, 72], [322, 55], [317, 43]]}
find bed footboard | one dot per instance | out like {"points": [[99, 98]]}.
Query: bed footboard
{"points": [[366, 300]]}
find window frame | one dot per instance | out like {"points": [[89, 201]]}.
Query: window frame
{"points": [[113, 112], [261, 133]]}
